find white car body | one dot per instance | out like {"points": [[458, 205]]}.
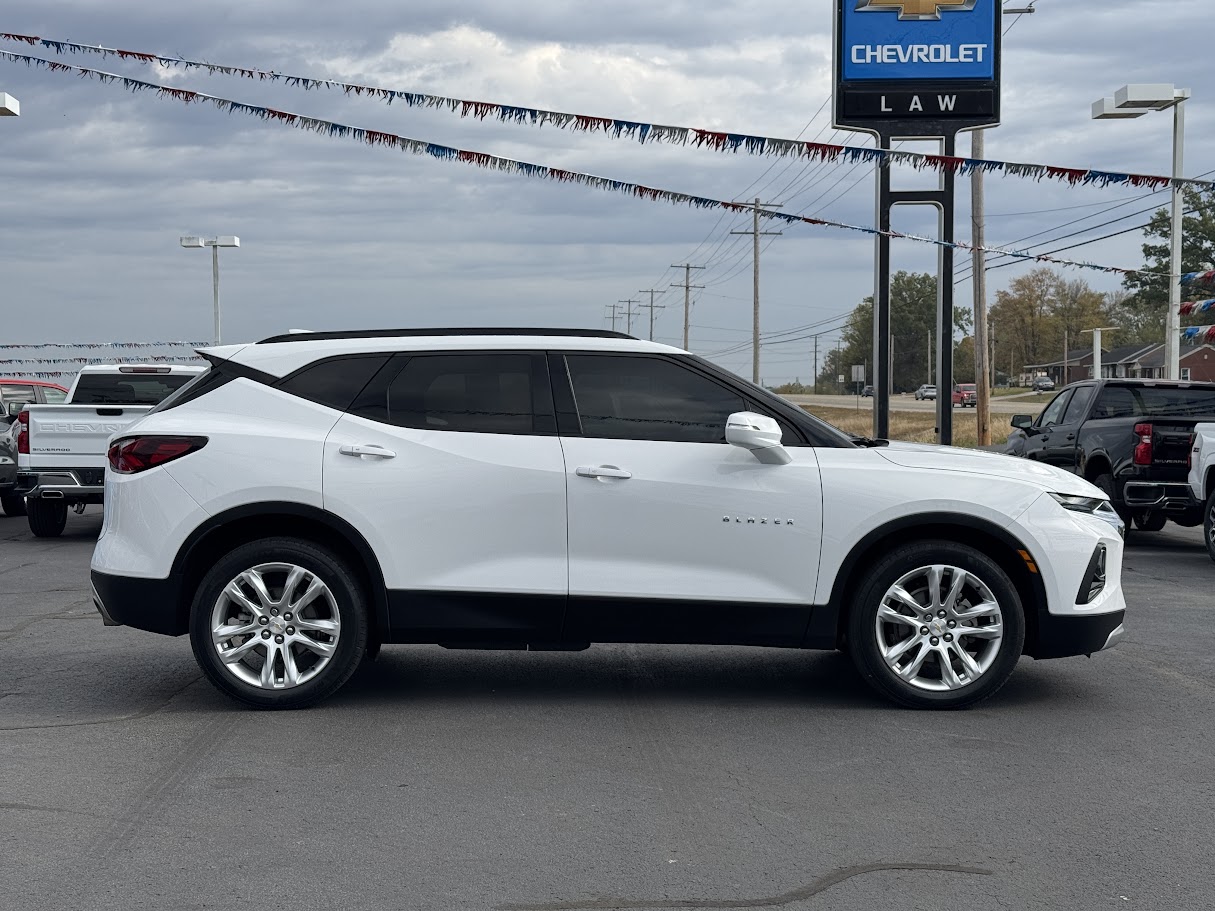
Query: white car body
{"points": [[499, 533], [1202, 463]]}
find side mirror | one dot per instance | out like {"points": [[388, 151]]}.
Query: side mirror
{"points": [[1022, 421], [759, 434]]}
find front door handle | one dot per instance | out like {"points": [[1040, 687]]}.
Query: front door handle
{"points": [[604, 471], [368, 450], [1070, 437]]}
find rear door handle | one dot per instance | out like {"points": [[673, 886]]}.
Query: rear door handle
{"points": [[604, 471], [369, 450]]}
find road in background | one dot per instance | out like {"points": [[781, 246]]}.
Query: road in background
{"points": [[1004, 405], [639, 777]]}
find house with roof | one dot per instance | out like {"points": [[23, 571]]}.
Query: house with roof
{"points": [[1141, 362]]}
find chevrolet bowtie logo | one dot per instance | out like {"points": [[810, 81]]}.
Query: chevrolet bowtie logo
{"points": [[915, 9]]}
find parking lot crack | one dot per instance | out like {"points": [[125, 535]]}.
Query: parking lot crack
{"points": [[822, 884]]}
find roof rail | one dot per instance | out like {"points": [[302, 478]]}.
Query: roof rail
{"points": [[305, 336]]}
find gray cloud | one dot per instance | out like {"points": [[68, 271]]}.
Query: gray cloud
{"points": [[99, 183]]}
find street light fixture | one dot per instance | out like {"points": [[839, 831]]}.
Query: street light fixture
{"points": [[225, 240], [1135, 101], [9, 106]]}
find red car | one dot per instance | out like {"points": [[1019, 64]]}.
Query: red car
{"points": [[15, 394], [966, 395]]}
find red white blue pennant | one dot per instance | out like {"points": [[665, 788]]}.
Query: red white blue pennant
{"points": [[512, 166], [641, 131]]}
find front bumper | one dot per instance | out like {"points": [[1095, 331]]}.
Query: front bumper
{"points": [[85, 485], [148, 604], [1066, 637]]}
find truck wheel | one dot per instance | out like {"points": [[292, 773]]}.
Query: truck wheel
{"points": [[13, 506], [1106, 483], [1151, 520], [936, 625], [1209, 525], [47, 518], [279, 623]]}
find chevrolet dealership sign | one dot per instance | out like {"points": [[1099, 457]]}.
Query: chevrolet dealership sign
{"points": [[930, 66]]}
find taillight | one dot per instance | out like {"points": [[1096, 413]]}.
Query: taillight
{"points": [[1143, 449], [23, 435], [136, 454]]}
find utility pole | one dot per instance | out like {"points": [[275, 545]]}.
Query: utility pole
{"points": [[629, 314], [978, 281], [1097, 347], [755, 314], [1067, 360], [614, 310], [651, 306], [816, 365], [930, 357], [687, 297]]}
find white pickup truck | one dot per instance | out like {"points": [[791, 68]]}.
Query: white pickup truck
{"points": [[61, 449], [1202, 479]]}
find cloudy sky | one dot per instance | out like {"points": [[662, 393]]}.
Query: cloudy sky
{"points": [[99, 184]]}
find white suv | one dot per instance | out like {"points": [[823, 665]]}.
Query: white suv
{"points": [[315, 495]]}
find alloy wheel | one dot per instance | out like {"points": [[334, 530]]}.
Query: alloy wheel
{"points": [[275, 626], [939, 628]]}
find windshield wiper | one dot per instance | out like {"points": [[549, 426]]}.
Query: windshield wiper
{"points": [[869, 443]]}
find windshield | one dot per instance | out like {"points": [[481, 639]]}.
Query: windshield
{"points": [[127, 388]]}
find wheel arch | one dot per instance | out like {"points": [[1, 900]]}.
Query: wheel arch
{"points": [[229, 529], [829, 622], [1208, 486], [1098, 463]]}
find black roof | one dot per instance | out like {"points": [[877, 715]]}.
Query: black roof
{"points": [[418, 333]]}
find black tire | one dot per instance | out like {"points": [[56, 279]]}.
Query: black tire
{"points": [[1151, 520], [349, 602], [863, 634], [1208, 525], [47, 518], [13, 506], [1106, 483]]}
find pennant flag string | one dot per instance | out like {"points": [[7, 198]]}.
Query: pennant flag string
{"points": [[615, 128], [1198, 334], [1199, 278], [1189, 308], [512, 166], [89, 346]]}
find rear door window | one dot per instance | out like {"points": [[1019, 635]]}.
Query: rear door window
{"points": [[470, 392]]}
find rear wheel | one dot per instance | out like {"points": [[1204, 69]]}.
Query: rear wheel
{"points": [[279, 623], [1151, 520], [47, 518], [936, 625], [1208, 524], [13, 506]]}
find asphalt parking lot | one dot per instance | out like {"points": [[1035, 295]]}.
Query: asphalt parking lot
{"points": [[643, 777]]}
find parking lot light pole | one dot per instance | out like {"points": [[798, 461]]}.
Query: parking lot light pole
{"points": [[226, 240], [1134, 101], [9, 106]]}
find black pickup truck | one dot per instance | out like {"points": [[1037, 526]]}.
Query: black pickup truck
{"points": [[1129, 437]]}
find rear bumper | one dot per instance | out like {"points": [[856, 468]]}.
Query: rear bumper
{"points": [[1173, 496], [74, 485], [1066, 637], [147, 604]]}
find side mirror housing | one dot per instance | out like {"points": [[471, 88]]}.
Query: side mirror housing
{"points": [[1022, 421], [759, 434]]}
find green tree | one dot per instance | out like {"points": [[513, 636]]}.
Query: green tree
{"points": [[1150, 289], [1041, 313], [913, 318]]}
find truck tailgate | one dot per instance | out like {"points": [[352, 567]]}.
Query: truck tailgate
{"points": [[74, 436]]}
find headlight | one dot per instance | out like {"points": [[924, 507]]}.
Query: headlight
{"points": [[1088, 505]]}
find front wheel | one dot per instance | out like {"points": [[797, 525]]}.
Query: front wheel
{"points": [[13, 506], [1208, 524], [1106, 483], [279, 623], [47, 518], [936, 625]]}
